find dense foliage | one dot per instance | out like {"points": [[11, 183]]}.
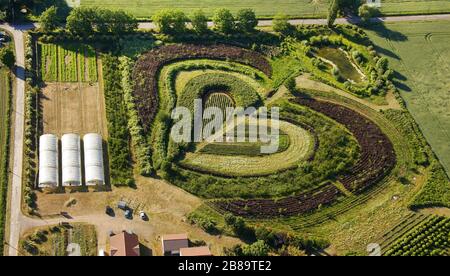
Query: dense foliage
{"points": [[120, 163], [149, 65], [86, 21], [337, 151], [5, 131], [377, 152], [431, 238], [242, 93]]}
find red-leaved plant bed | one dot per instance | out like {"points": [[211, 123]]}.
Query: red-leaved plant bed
{"points": [[146, 71], [288, 206], [377, 160], [377, 152]]}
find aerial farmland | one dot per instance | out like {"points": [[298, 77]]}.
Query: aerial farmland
{"points": [[225, 128]]}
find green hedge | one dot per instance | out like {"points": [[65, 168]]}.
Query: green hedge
{"points": [[242, 93], [4, 161], [121, 168]]}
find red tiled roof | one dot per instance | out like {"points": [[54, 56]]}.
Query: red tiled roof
{"points": [[124, 244]]}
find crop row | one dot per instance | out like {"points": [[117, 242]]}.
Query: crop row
{"points": [[199, 87], [119, 137], [149, 65], [377, 152], [428, 239], [288, 206], [68, 64]]}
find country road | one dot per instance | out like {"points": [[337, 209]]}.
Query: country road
{"points": [[267, 23], [16, 187], [18, 223]]}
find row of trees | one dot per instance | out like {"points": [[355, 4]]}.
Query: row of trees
{"points": [[175, 21], [85, 21], [365, 12]]}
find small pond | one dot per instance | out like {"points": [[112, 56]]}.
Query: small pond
{"points": [[340, 59]]}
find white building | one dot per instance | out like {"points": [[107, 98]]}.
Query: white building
{"points": [[71, 160], [93, 159], [48, 161]]}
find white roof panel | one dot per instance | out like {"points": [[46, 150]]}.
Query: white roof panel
{"points": [[48, 161], [93, 158]]}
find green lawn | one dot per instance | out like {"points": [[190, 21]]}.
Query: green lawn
{"points": [[264, 8], [420, 52]]}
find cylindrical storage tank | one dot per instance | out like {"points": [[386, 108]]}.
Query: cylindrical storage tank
{"points": [[93, 159], [48, 161], [71, 160]]}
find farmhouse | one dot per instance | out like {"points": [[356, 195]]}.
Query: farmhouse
{"points": [[93, 159], [125, 244], [48, 161], [71, 160], [172, 244]]}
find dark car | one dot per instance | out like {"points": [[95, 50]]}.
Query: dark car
{"points": [[128, 214], [109, 211]]}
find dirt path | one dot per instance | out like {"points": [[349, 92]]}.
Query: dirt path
{"points": [[304, 81], [19, 110]]}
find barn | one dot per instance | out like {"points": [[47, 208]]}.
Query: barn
{"points": [[48, 161], [71, 160], [93, 159]]}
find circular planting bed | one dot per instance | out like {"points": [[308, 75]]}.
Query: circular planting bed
{"points": [[301, 145], [326, 151]]}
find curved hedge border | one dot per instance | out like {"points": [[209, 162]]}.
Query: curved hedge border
{"points": [[377, 160], [197, 88], [148, 66], [377, 157], [331, 158]]}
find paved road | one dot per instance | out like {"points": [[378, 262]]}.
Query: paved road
{"points": [[266, 23], [18, 222], [16, 190]]}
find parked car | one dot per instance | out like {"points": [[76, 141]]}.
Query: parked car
{"points": [[122, 205], [110, 211], [128, 214], [143, 215]]}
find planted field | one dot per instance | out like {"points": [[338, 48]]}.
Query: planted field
{"points": [[5, 112], [243, 148], [419, 52], [265, 8], [430, 238], [68, 63]]}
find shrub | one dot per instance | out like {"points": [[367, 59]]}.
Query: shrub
{"points": [[199, 22], [224, 21], [246, 20], [170, 21]]}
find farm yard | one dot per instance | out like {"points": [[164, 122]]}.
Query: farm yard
{"points": [[352, 168]]}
